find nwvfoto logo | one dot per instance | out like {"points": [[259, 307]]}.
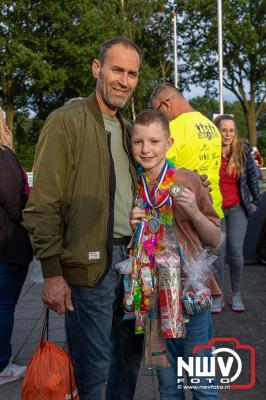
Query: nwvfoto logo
{"points": [[230, 369]]}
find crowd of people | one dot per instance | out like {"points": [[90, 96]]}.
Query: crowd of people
{"points": [[103, 191]]}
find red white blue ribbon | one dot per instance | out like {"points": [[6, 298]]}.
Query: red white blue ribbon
{"points": [[147, 194]]}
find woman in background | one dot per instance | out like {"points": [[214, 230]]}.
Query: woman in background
{"points": [[238, 183], [15, 249]]}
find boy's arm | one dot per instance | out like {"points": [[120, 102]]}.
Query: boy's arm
{"points": [[208, 232], [196, 202]]}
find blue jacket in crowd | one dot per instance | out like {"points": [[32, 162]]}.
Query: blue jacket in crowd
{"points": [[248, 182]]}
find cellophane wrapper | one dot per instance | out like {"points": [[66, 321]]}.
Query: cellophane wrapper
{"points": [[155, 347], [168, 269], [196, 295], [125, 266]]}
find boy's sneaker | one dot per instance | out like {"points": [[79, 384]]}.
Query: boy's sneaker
{"points": [[12, 372], [236, 303], [217, 304]]}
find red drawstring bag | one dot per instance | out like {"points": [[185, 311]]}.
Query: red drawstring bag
{"points": [[49, 375]]}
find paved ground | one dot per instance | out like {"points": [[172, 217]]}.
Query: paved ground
{"points": [[248, 328]]}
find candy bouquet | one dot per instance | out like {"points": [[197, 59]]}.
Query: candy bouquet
{"points": [[153, 294]]}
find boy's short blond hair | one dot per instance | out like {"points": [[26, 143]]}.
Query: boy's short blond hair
{"points": [[146, 118]]}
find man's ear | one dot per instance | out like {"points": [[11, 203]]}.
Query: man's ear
{"points": [[170, 142], [96, 67]]}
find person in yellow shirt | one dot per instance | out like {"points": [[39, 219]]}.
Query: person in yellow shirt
{"points": [[197, 141]]}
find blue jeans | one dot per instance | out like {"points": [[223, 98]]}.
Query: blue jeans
{"points": [[126, 348], [234, 225], [11, 282], [89, 328], [199, 331]]}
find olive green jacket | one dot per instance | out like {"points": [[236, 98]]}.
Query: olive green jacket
{"points": [[69, 214]]}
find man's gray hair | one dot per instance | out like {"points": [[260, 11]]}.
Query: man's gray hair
{"points": [[160, 89]]}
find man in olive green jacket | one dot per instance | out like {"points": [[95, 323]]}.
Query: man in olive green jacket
{"points": [[78, 211]]}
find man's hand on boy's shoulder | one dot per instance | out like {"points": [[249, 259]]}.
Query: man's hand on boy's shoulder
{"points": [[205, 181]]}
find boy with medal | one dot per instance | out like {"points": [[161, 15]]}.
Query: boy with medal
{"points": [[169, 198]]}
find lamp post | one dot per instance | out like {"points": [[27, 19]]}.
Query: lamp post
{"points": [[175, 52], [220, 56]]}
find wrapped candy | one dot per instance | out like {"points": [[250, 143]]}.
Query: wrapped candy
{"points": [[125, 266], [195, 302], [196, 296], [129, 312], [169, 294], [146, 288], [143, 306], [146, 280]]}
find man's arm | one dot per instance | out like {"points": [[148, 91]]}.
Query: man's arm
{"points": [[43, 215]]}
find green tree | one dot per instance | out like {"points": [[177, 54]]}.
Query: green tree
{"points": [[15, 60], [23, 140], [262, 133], [156, 44], [206, 105], [45, 50], [244, 50], [146, 23], [209, 106], [262, 146], [24, 65], [47, 47]]}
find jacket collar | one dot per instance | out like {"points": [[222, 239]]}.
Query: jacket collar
{"points": [[94, 107]]}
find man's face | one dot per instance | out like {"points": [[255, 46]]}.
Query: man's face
{"points": [[117, 77]]}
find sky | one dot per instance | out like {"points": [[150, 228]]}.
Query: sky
{"points": [[198, 91]]}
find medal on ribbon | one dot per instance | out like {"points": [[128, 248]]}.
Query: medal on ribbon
{"points": [[154, 224], [176, 189], [153, 221]]}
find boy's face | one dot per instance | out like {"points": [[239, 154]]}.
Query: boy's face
{"points": [[150, 144]]}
